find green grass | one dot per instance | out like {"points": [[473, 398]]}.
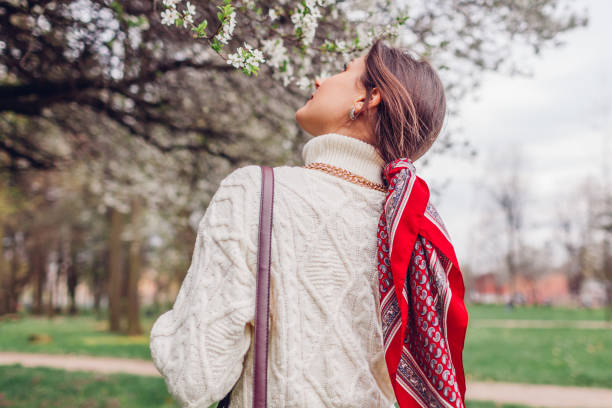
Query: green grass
{"points": [[562, 356], [539, 356], [73, 335], [49, 387], [25, 387], [487, 404], [476, 311], [491, 404]]}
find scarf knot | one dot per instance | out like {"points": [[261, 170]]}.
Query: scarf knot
{"points": [[391, 169]]}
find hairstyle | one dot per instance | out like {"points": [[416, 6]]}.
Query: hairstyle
{"points": [[413, 104]]}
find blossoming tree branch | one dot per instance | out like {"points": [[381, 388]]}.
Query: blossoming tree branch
{"points": [[304, 16], [104, 77]]}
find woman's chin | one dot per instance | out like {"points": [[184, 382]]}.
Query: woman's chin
{"points": [[300, 112]]}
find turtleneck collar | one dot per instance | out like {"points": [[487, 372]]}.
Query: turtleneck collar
{"points": [[350, 153]]}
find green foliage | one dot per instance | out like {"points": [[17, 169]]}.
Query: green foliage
{"points": [[139, 21], [226, 10], [298, 32], [131, 21], [500, 311], [491, 404], [200, 30], [250, 69], [283, 67], [328, 46], [216, 44], [117, 8], [402, 19], [75, 335], [537, 355], [51, 387], [563, 356]]}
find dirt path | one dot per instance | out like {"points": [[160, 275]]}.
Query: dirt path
{"points": [[527, 394], [80, 362], [538, 395]]}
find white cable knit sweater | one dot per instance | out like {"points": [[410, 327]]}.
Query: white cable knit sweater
{"points": [[325, 345]]}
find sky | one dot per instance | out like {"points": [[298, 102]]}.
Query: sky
{"points": [[559, 120]]}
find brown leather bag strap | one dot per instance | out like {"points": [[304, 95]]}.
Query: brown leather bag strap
{"points": [[260, 378], [262, 297]]}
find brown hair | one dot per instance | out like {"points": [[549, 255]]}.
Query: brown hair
{"points": [[410, 114]]}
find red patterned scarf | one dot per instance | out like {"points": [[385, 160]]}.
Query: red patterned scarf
{"points": [[424, 318]]}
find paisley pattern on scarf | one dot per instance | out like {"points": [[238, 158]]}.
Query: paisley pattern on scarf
{"points": [[421, 295]]}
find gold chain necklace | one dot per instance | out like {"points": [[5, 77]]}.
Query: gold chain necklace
{"points": [[347, 175]]}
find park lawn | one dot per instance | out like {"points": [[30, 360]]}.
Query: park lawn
{"points": [[43, 387], [50, 387], [491, 404], [495, 311], [561, 356], [84, 334]]}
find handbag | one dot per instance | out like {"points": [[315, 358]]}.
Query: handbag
{"points": [[262, 300]]}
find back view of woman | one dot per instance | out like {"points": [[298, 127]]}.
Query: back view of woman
{"points": [[366, 300]]}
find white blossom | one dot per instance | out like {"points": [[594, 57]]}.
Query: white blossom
{"points": [[170, 3], [324, 74], [246, 56], [286, 76], [334, 13], [188, 14], [303, 83], [272, 14], [306, 18], [256, 58], [235, 59], [228, 28], [190, 9], [169, 16], [276, 51]]}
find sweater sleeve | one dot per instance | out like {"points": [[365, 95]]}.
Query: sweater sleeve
{"points": [[199, 345]]}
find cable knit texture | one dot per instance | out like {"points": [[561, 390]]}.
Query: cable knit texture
{"points": [[325, 345]]}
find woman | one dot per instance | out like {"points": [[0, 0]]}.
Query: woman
{"points": [[351, 228]]}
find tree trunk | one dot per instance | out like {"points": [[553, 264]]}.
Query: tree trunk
{"points": [[99, 270], [133, 314], [53, 278], [39, 274], [72, 277], [4, 279], [114, 270], [607, 276], [16, 283]]}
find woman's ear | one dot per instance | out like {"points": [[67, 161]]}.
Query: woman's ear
{"points": [[375, 98]]}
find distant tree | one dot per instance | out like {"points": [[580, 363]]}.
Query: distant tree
{"points": [[508, 190], [577, 231], [604, 221]]}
